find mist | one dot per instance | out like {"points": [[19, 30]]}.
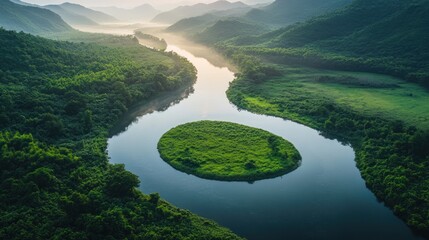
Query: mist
{"points": [[160, 4]]}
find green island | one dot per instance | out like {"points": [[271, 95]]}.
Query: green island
{"points": [[58, 101], [227, 151]]}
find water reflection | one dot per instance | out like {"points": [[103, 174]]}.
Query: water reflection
{"points": [[157, 104]]}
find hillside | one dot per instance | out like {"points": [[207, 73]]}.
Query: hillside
{"points": [[199, 9], [193, 25], [285, 12], [144, 12], [77, 14], [227, 29], [380, 36], [58, 101], [24, 3], [70, 17], [30, 19]]}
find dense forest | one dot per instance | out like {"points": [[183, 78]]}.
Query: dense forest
{"points": [[378, 36], [58, 101]]}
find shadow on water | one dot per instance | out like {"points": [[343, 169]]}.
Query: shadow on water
{"points": [[159, 103]]}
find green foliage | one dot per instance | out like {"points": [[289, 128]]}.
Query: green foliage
{"points": [[69, 95], [391, 155], [59, 91], [227, 151], [49, 193], [226, 29], [285, 12], [380, 36], [152, 41]]}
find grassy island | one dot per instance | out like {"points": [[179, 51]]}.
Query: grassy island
{"points": [[227, 151]]}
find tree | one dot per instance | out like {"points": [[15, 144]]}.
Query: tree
{"points": [[120, 182]]}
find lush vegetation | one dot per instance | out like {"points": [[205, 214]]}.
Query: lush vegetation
{"points": [[378, 36], [68, 95], [30, 19], [227, 151], [227, 29], [365, 110], [50, 193], [284, 12]]}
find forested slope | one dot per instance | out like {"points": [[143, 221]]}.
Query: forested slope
{"points": [[285, 12], [380, 36], [30, 19]]}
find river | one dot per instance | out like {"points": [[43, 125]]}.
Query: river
{"points": [[325, 198]]}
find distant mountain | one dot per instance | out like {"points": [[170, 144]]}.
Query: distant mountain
{"points": [[24, 3], [70, 17], [30, 19], [193, 25], [227, 29], [144, 12], [79, 15], [199, 23], [285, 12], [199, 9]]}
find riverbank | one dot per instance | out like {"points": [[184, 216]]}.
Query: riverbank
{"points": [[56, 181], [390, 151]]}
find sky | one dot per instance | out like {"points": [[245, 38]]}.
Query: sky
{"points": [[162, 4]]}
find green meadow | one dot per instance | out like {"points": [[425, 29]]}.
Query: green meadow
{"points": [[227, 151]]}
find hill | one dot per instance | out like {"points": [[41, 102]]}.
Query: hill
{"points": [[144, 12], [70, 17], [199, 9], [77, 14], [285, 12], [24, 3], [30, 19], [227, 29], [379, 35]]}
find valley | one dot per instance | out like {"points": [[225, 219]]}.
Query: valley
{"points": [[290, 119]]}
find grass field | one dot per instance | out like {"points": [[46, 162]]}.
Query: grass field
{"points": [[369, 94], [227, 151]]}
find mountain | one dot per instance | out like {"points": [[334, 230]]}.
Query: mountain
{"points": [[144, 12], [80, 15], [285, 12], [194, 24], [199, 23], [373, 27], [30, 19], [24, 3], [70, 17], [227, 29], [199, 9], [386, 36]]}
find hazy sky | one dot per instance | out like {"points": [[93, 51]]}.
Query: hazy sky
{"points": [[132, 3]]}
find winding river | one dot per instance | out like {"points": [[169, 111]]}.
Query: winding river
{"points": [[325, 198]]}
